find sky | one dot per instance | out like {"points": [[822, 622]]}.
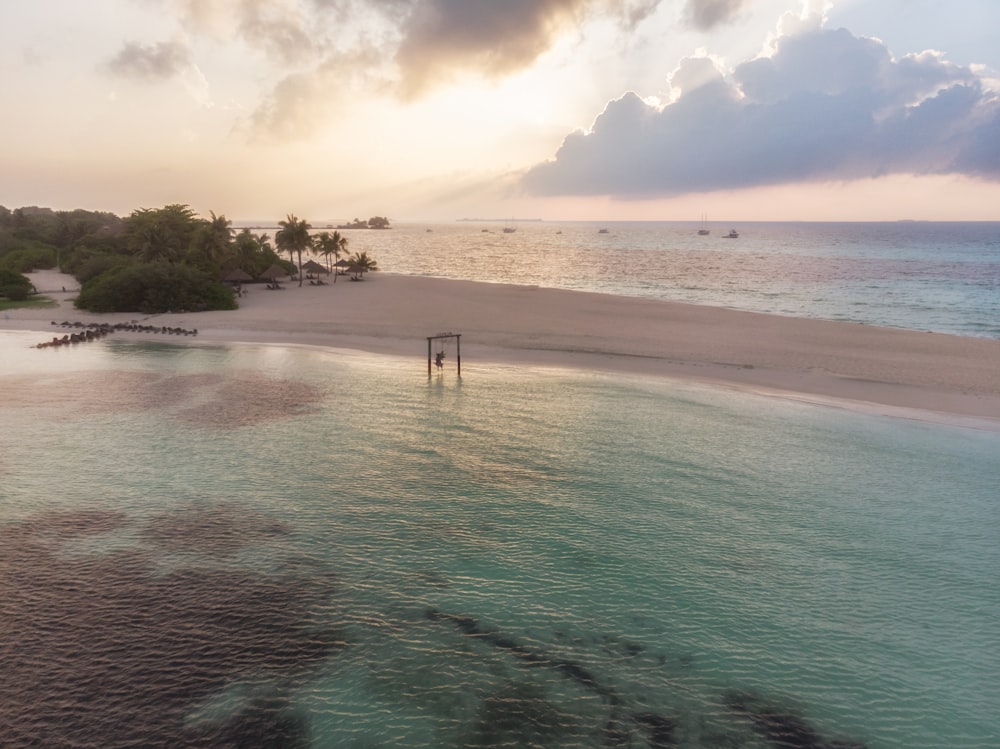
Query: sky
{"points": [[436, 110]]}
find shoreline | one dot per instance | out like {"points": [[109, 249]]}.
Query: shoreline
{"points": [[896, 372]]}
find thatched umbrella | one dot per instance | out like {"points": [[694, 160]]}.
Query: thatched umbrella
{"points": [[275, 271], [311, 266], [237, 276]]}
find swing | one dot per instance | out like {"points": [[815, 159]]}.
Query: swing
{"points": [[442, 349]]}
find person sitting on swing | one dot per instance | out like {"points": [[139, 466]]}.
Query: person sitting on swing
{"points": [[439, 359]]}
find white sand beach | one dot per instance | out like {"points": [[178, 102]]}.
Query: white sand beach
{"points": [[883, 369]]}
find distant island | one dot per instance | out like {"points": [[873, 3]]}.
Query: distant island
{"points": [[375, 222]]}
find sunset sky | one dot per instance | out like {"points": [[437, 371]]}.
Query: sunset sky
{"points": [[554, 109]]}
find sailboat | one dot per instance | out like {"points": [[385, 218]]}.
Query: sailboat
{"points": [[703, 230]]}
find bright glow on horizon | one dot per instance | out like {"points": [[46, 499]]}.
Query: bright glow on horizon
{"points": [[260, 109]]}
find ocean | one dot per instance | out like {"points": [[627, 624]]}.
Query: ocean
{"points": [[938, 276], [222, 546]]}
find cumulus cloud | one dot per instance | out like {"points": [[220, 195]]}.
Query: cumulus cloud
{"points": [[152, 62], [824, 105], [811, 17]]}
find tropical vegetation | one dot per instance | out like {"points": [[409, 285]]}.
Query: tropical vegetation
{"points": [[156, 259]]}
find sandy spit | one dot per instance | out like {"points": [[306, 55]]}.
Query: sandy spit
{"points": [[908, 373]]}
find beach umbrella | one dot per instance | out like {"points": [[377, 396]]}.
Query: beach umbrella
{"points": [[237, 276], [312, 266], [340, 269], [275, 271]]}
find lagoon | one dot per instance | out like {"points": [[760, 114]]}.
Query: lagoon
{"points": [[331, 549]]}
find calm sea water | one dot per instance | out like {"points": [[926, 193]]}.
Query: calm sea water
{"points": [[272, 547], [943, 277]]}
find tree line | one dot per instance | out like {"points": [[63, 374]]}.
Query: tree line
{"points": [[155, 259]]}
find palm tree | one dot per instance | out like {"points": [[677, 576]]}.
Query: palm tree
{"points": [[153, 243], [361, 263], [162, 234], [323, 245], [253, 252], [328, 244], [214, 242], [294, 237]]}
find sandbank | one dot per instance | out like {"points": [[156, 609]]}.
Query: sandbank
{"points": [[893, 371]]}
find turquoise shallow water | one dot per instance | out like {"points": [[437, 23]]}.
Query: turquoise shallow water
{"points": [[293, 547]]}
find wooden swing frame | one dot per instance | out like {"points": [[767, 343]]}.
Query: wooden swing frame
{"points": [[458, 350]]}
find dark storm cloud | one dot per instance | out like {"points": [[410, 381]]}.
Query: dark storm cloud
{"points": [[827, 105], [492, 38], [438, 39], [429, 40], [152, 62], [403, 47], [707, 14]]}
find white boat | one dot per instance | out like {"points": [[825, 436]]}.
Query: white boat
{"points": [[733, 234], [703, 230]]}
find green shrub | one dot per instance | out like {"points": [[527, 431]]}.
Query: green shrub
{"points": [[27, 258], [152, 288], [14, 286], [95, 265]]}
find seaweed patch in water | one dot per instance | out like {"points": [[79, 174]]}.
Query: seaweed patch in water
{"points": [[520, 715], [101, 650], [781, 728], [620, 727]]}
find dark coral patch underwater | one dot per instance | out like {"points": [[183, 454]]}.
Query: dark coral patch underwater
{"points": [[104, 650], [113, 649]]}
